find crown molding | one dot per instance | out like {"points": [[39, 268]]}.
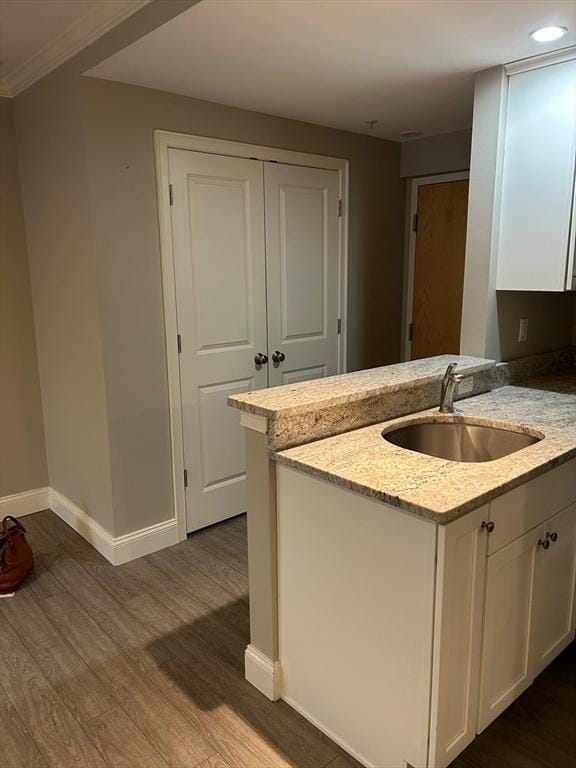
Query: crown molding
{"points": [[98, 20], [542, 60]]}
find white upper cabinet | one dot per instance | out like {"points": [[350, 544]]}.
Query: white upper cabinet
{"points": [[536, 246]]}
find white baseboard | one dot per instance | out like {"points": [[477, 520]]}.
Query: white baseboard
{"points": [[119, 549], [263, 673], [25, 503]]}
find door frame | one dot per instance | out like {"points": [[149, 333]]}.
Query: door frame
{"points": [[412, 207], [163, 142]]}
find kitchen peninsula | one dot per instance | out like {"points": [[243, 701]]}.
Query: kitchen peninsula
{"points": [[400, 601]]}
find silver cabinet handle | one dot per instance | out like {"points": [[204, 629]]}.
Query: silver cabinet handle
{"points": [[260, 359], [278, 357], [544, 543], [552, 536], [489, 526]]}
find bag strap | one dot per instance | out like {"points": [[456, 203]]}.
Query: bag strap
{"points": [[16, 525], [7, 533]]}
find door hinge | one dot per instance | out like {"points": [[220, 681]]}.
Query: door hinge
{"points": [[410, 331], [339, 208], [185, 478], [415, 223], [339, 325], [179, 340], [171, 193]]}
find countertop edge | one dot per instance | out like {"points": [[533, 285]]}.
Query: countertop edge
{"points": [[435, 516], [236, 401]]}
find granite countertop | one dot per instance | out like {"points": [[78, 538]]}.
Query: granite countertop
{"points": [[348, 388], [564, 383], [441, 490]]}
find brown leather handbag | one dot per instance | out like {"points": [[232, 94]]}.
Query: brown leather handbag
{"points": [[16, 558]]}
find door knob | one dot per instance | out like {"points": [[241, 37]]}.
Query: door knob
{"points": [[260, 359], [278, 357]]}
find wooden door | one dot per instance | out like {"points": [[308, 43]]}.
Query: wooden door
{"points": [[508, 620], [302, 256], [554, 597], [439, 268], [220, 276]]}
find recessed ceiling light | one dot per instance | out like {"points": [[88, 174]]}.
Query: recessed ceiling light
{"points": [[548, 34]]}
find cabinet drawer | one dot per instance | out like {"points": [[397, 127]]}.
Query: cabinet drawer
{"points": [[518, 511]]}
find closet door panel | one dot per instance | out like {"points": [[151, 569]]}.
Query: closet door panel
{"points": [[302, 257], [220, 276]]}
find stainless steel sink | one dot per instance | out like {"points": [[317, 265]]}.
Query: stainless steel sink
{"points": [[459, 440]]}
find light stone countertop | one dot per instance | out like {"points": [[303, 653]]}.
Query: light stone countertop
{"points": [[349, 388], [441, 490]]}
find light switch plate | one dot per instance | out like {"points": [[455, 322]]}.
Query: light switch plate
{"points": [[523, 329]]}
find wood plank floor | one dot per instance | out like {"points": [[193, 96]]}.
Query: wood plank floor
{"points": [[140, 666]]}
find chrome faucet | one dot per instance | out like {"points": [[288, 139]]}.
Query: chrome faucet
{"points": [[449, 384]]}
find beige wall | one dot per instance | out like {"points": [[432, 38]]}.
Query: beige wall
{"points": [[65, 294], [22, 450], [89, 186], [436, 154], [119, 123], [65, 280], [550, 322]]}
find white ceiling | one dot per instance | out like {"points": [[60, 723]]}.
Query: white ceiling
{"points": [[407, 63], [38, 35]]}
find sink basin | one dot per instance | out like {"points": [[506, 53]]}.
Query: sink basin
{"points": [[459, 440]]}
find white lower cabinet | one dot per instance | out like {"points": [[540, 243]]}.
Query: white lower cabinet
{"points": [[509, 599], [402, 639], [505, 605], [529, 610], [554, 615], [457, 638]]}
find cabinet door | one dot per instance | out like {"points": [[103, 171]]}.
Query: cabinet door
{"points": [[506, 668], [554, 617], [462, 548], [538, 179]]}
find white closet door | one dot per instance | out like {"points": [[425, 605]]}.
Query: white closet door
{"points": [[219, 260], [302, 256]]}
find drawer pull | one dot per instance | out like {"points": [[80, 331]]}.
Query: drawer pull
{"points": [[488, 525], [552, 536], [544, 543]]}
